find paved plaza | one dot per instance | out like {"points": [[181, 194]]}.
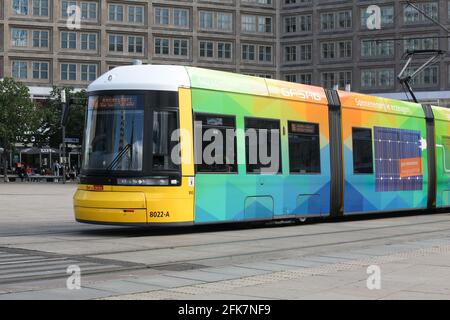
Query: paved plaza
{"points": [[399, 257]]}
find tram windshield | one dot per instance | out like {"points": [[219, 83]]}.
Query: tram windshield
{"points": [[114, 133]]}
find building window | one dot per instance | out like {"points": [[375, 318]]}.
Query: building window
{"points": [[19, 37], [261, 133], [305, 52], [40, 39], [162, 16], [116, 12], [65, 5], [68, 40], [40, 70], [421, 44], [180, 47], [260, 24], [89, 11], [264, 24], [265, 53], [428, 77], [181, 17], [377, 48], [224, 21], [412, 16], [206, 49], [304, 147], [290, 24], [19, 69], [387, 17], [345, 20], [220, 129], [224, 50], [40, 8], [362, 151], [377, 78], [20, 7], [334, 79], [206, 20], [88, 41], [220, 21], [291, 77], [327, 21], [261, 2], [305, 78], [68, 71], [162, 46], [328, 50], [290, 53], [135, 44], [345, 49], [136, 14], [301, 23], [334, 50], [115, 43], [331, 21], [305, 23], [88, 72], [248, 52], [248, 23]]}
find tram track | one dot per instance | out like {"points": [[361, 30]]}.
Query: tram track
{"points": [[142, 232], [102, 265]]}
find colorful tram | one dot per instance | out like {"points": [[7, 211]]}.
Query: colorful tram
{"points": [[341, 153]]}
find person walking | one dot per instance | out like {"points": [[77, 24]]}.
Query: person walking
{"points": [[57, 169]]}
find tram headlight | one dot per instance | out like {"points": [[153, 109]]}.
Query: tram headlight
{"points": [[144, 181]]}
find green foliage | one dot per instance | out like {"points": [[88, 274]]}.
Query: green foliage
{"points": [[49, 133], [19, 115]]}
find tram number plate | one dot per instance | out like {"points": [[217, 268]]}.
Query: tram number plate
{"points": [[159, 214]]}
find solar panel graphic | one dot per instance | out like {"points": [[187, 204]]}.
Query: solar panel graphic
{"points": [[398, 160]]}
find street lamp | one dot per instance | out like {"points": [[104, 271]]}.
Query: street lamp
{"points": [[64, 118]]}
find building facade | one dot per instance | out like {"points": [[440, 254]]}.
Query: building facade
{"points": [[330, 43], [324, 43]]}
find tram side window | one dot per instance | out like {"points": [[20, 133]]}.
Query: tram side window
{"points": [[446, 143], [215, 150], [304, 147], [164, 124], [362, 151], [262, 146]]}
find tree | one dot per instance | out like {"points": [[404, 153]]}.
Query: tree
{"points": [[49, 132], [19, 117]]}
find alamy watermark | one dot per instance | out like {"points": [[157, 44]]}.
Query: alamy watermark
{"points": [[73, 282], [214, 146], [374, 17], [373, 282], [73, 21]]}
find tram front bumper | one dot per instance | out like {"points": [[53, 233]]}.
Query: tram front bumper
{"points": [[110, 207]]}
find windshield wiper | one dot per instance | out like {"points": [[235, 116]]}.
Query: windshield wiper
{"points": [[119, 156]]}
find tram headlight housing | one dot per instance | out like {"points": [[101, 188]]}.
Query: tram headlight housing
{"points": [[146, 181]]}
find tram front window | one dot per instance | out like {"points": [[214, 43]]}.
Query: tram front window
{"points": [[114, 133]]}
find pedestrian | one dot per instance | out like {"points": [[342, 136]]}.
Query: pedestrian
{"points": [[57, 168]]}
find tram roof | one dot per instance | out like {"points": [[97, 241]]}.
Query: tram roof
{"points": [[172, 77]]}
